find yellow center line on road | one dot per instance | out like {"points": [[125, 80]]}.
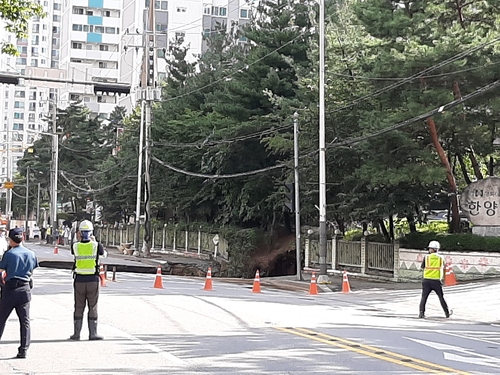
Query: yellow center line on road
{"points": [[373, 352]]}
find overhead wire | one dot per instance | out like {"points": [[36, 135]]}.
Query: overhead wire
{"points": [[92, 190]]}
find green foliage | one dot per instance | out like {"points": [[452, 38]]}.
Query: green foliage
{"points": [[16, 14], [451, 242], [242, 242]]}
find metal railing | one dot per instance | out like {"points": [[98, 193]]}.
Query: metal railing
{"points": [[349, 253], [380, 256]]}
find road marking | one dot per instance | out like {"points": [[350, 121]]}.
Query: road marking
{"points": [[374, 352], [172, 359], [473, 358]]}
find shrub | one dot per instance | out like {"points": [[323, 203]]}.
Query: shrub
{"points": [[451, 242]]}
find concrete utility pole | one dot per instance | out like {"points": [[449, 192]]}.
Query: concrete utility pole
{"points": [[323, 277], [297, 193], [55, 168], [139, 185], [27, 200], [8, 192], [148, 79], [38, 206]]}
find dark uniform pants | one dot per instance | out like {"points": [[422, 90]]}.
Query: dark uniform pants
{"points": [[428, 286], [17, 295], [86, 293]]}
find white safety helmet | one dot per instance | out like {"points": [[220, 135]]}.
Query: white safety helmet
{"points": [[434, 245], [86, 226]]}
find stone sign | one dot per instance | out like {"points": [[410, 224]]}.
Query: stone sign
{"points": [[480, 201]]}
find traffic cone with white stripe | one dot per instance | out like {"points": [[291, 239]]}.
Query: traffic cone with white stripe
{"points": [[449, 276], [256, 283], [158, 280], [102, 275], [313, 288], [56, 250], [346, 288], [208, 280]]}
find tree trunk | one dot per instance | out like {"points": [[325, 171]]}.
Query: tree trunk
{"points": [[383, 229], [491, 166], [411, 222], [391, 226], [340, 223], [365, 226], [455, 216], [475, 165], [463, 168]]}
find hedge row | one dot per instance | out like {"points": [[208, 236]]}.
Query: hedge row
{"points": [[459, 241]]}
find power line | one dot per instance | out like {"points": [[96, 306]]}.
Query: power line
{"points": [[218, 176], [90, 189], [424, 116], [415, 76]]}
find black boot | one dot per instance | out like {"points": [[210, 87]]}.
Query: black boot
{"points": [[421, 315], [93, 330], [78, 328], [21, 353]]}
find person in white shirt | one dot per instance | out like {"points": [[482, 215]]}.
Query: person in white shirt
{"points": [[36, 232], [4, 246]]}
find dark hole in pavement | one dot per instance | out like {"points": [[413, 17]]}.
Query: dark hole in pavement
{"points": [[354, 345], [407, 360], [333, 340], [379, 352], [313, 334]]}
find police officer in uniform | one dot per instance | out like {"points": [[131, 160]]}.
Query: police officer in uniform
{"points": [[433, 266], [86, 279], [19, 263]]}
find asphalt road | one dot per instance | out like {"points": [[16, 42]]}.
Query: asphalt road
{"points": [[182, 329]]}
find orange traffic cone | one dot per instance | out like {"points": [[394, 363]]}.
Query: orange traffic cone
{"points": [[313, 288], [56, 250], [449, 276], [102, 276], [158, 279], [256, 283], [346, 288], [208, 280]]}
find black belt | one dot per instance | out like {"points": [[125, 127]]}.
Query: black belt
{"points": [[16, 283]]}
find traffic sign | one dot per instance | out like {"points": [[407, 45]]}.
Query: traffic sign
{"points": [[8, 185]]}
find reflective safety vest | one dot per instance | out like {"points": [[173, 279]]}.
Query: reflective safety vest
{"points": [[433, 267], [85, 258]]}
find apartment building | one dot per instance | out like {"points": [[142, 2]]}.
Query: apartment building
{"points": [[97, 41]]}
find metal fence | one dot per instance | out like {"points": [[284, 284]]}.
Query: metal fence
{"points": [[167, 240], [366, 257]]}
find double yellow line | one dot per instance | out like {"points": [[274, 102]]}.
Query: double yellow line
{"points": [[370, 351]]}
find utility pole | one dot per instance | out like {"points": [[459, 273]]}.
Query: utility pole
{"points": [[27, 200], [8, 192], [297, 193], [38, 206], [323, 277], [54, 170], [148, 79], [139, 184]]}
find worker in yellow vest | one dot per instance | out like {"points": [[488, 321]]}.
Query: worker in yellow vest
{"points": [[433, 266], [86, 274]]}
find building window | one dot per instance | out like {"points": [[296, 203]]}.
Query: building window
{"points": [[76, 45], [90, 12], [110, 30], [45, 27], [181, 10], [86, 99], [244, 13], [161, 53], [103, 47], [57, 29], [100, 99], [164, 5], [88, 47], [18, 104], [19, 94], [106, 13], [77, 10], [57, 6], [19, 116], [56, 18], [161, 27], [34, 62], [22, 50], [99, 29], [77, 27], [215, 11], [33, 95], [31, 117], [35, 28], [18, 126], [103, 65], [86, 28], [32, 106], [74, 97], [206, 9], [44, 38], [179, 35], [32, 126], [206, 32], [222, 12]]}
